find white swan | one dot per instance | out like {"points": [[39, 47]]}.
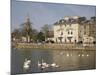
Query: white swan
{"points": [[68, 55], [26, 64], [43, 64], [87, 55], [54, 65], [39, 64], [82, 55], [79, 55]]}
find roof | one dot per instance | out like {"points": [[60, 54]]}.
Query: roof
{"points": [[73, 20], [64, 21]]}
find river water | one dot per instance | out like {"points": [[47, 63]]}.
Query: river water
{"points": [[67, 60]]}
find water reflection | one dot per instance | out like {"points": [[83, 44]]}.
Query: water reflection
{"points": [[51, 60]]}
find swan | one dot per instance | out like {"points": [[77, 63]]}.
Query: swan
{"points": [[79, 55], [47, 65], [27, 64], [54, 65], [43, 64], [67, 54], [82, 55], [39, 64], [87, 55]]}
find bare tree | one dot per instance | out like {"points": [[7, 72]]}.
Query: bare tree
{"points": [[27, 29]]}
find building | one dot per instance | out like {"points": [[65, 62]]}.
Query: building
{"points": [[50, 36], [89, 30], [69, 30]]}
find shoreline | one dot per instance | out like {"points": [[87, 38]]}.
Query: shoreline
{"points": [[25, 49], [54, 46]]}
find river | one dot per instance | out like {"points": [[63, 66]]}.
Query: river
{"points": [[67, 60]]}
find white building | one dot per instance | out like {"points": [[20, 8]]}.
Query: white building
{"points": [[67, 30]]}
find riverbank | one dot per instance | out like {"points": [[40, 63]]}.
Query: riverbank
{"points": [[50, 46]]}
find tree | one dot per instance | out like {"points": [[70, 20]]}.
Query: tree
{"points": [[33, 35], [16, 34], [45, 30], [40, 37], [27, 29]]}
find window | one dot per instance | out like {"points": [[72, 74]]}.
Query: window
{"points": [[68, 32], [85, 33], [71, 32], [84, 27], [61, 33]]}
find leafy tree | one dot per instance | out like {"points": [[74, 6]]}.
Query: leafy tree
{"points": [[40, 37], [45, 30], [16, 34], [34, 35]]}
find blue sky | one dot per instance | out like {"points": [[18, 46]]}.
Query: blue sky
{"points": [[46, 13]]}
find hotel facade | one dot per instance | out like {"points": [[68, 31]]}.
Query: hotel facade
{"points": [[69, 30]]}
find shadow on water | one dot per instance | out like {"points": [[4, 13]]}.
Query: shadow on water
{"points": [[67, 60]]}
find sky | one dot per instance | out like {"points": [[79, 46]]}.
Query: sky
{"points": [[46, 13]]}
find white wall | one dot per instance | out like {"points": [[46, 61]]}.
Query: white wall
{"points": [[65, 29]]}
